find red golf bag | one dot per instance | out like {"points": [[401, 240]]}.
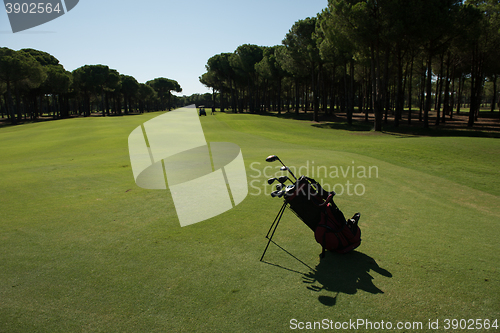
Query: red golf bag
{"points": [[315, 207]]}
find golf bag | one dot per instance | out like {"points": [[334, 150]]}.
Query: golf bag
{"points": [[315, 207]]}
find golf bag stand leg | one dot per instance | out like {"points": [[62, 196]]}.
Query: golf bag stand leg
{"points": [[275, 224]]}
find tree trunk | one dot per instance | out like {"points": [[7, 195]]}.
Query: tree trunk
{"points": [[460, 89], [473, 87], [314, 88], [213, 100], [305, 104], [452, 98], [297, 97], [399, 87], [476, 85], [410, 81], [494, 95], [446, 101], [428, 97], [233, 97], [18, 105], [10, 105], [423, 79], [375, 65], [346, 97], [368, 97], [350, 110], [385, 86], [439, 90], [279, 95]]}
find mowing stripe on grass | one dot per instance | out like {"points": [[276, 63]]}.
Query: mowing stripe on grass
{"points": [[82, 248]]}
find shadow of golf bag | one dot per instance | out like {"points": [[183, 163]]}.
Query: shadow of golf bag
{"points": [[315, 207]]}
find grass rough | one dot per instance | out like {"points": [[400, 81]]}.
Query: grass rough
{"points": [[83, 249]]}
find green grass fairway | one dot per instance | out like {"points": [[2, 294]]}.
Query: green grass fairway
{"points": [[83, 249]]}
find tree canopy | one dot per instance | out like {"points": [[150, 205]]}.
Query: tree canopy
{"points": [[33, 84], [379, 58]]}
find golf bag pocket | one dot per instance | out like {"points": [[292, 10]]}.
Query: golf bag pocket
{"points": [[305, 205], [333, 233]]}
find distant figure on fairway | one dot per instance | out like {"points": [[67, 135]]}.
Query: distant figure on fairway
{"points": [[202, 111]]}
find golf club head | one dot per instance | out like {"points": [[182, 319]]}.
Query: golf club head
{"points": [[281, 193], [274, 193], [285, 168], [289, 189], [271, 180], [271, 158], [279, 187], [283, 179]]}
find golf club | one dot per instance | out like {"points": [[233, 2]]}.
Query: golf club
{"points": [[271, 180], [272, 158], [283, 179], [289, 190], [274, 193]]}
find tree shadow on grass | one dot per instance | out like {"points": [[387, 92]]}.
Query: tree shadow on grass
{"points": [[344, 273], [487, 125], [355, 127]]}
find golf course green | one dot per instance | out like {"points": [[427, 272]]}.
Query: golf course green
{"points": [[84, 249]]}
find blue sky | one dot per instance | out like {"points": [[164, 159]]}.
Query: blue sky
{"points": [[149, 39]]}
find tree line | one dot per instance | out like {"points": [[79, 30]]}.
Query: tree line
{"points": [[379, 57], [33, 83]]}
